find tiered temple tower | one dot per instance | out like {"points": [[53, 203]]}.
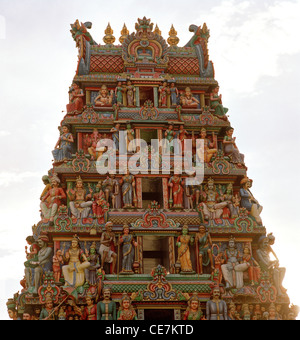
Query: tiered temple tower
{"points": [[148, 236]]}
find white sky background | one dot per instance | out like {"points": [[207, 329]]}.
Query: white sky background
{"points": [[255, 50]]}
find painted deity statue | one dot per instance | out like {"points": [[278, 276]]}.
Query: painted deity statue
{"points": [[231, 149], [58, 262], [248, 201], [163, 94], [52, 200], [209, 148], [204, 246], [174, 94], [94, 261], [169, 136], [181, 136], [183, 243], [128, 190], [188, 100], [216, 308], [77, 262], [106, 309], [80, 201], [212, 208], [104, 97], [111, 188], [126, 310], [76, 104], [116, 137], [216, 104], [253, 266], [269, 266], [100, 206], [130, 94], [233, 267], [193, 311], [90, 310], [39, 265], [49, 312], [63, 149], [119, 93], [130, 143], [128, 250], [176, 185], [92, 149], [107, 245]]}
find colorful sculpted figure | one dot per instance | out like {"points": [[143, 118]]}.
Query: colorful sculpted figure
{"points": [[193, 311], [209, 148], [38, 266], [49, 207], [94, 139], [163, 94], [204, 245], [11, 309], [107, 245], [116, 137], [106, 309], [128, 190], [248, 201], [130, 93], [104, 97], [33, 250], [212, 208], [174, 94], [46, 181], [58, 262], [188, 100], [49, 312], [216, 308], [100, 205], [176, 191], [80, 201], [119, 93], [267, 265], [219, 260], [183, 243], [181, 136], [128, 250], [131, 146], [169, 136], [231, 149], [111, 187], [94, 261], [76, 104], [63, 148], [253, 266], [90, 310], [126, 310], [216, 104], [234, 267], [77, 262]]}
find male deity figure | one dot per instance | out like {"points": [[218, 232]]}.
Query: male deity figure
{"points": [[106, 309], [80, 204], [216, 308], [108, 240]]}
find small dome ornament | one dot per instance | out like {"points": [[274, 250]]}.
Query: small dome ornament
{"points": [[173, 40], [124, 34], [109, 39]]}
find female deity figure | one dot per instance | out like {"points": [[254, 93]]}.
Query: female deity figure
{"points": [[93, 259], [63, 149], [174, 94], [130, 94], [116, 137], [100, 206], [231, 149], [104, 97], [131, 147], [176, 185], [188, 100], [119, 93], [80, 201], [181, 136], [76, 100], [76, 264], [193, 312], [204, 245], [164, 91], [107, 244], [183, 243], [126, 310], [106, 309], [128, 250], [216, 104], [169, 136], [253, 266], [33, 250], [209, 148], [58, 262], [248, 201], [90, 310], [49, 207], [128, 190]]}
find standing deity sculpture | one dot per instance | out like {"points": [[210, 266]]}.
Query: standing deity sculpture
{"points": [[116, 136], [163, 94], [76, 104], [169, 136], [126, 310], [128, 250], [100, 205], [63, 149], [107, 245], [176, 184], [94, 261], [106, 309], [119, 93], [193, 311], [128, 190], [174, 94], [209, 148], [90, 310], [204, 246], [184, 256], [216, 308], [130, 94]]}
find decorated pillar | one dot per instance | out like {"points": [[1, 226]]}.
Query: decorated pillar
{"points": [[155, 95], [172, 258], [165, 193]]}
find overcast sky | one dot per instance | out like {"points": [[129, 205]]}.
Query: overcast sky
{"points": [[255, 51]]}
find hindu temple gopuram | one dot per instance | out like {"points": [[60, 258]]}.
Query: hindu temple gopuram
{"points": [[126, 234]]}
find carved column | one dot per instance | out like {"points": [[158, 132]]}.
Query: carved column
{"points": [[165, 193]]}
